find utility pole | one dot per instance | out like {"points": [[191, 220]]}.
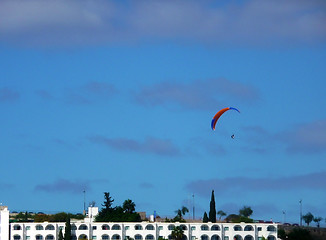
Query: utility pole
{"points": [[193, 206], [84, 212], [300, 212]]}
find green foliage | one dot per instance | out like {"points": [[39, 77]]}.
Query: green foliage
{"points": [[221, 214], [299, 234], [205, 218], [180, 213], [308, 218], [281, 233], [234, 218], [177, 233], [23, 217], [41, 218], [317, 220], [126, 213], [245, 211], [67, 235], [60, 235], [212, 209]]}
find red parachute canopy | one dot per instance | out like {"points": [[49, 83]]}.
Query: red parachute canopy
{"points": [[219, 114]]}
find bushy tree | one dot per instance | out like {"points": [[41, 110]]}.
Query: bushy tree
{"points": [[212, 209], [126, 213], [317, 221], [308, 218], [221, 214], [245, 211]]}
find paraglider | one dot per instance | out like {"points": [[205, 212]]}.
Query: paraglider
{"points": [[219, 114]]}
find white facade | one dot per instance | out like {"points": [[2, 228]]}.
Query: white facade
{"points": [[143, 230], [4, 223]]}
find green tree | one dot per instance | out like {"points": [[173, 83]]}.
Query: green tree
{"points": [[177, 233], [60, 235], [221, 214], [107, 201], [205, 218], [308, 218], [128, 206], [117, 214], [212, 209], [245, 211], [67, 235], [317, 221], [180, 213]]}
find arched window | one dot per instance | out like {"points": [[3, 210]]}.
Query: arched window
{"points": [[17, 227], [271, 228], [138, 227], [39, 227], [237, 228], [171, 227], [183, 227], [49, 237], [73, 227], [73, 236], [105, 227], [149, 227], [138, 237], [116, 237], [39, 237], [215, 237], [116, 227], [16, 237], [248, 228], [49, 227], [204, 227], [204, 237], [105, 237], [215, 228], [149, 237], [249, 237], [271, 237], [83, 227], [237, 237], [82, 237]]}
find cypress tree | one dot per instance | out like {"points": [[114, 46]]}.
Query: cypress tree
{"points": [[205, 218], [212, 209], [67, 229]]}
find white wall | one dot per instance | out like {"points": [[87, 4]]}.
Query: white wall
{"points": [[4, 223]]}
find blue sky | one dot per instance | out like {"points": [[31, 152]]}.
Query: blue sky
{"points": [[118, 96]]}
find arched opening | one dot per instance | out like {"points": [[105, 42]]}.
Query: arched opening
{"points": [[17, 227], [138, 227], [105, 237], [82, 237], [105, 227], [249, 237], [149, 227], [215, 228], [116, 237], [204, 227], [215, 237], [17, 237], [138, 237], [49, 227], [248, 228], [83, 227], [116, 227], [49, 237]]}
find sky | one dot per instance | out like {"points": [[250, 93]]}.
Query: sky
{"points": [[118, 96]]}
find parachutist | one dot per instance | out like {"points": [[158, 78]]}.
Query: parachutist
{"points": [[232, 136]]}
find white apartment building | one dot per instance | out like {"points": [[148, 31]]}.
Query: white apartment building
{"points": [[88, 229]]}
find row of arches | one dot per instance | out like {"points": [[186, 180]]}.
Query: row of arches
{"points": [[139, 237], [203, 227]]}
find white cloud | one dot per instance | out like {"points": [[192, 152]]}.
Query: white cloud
{"points": [[97, 22]]}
